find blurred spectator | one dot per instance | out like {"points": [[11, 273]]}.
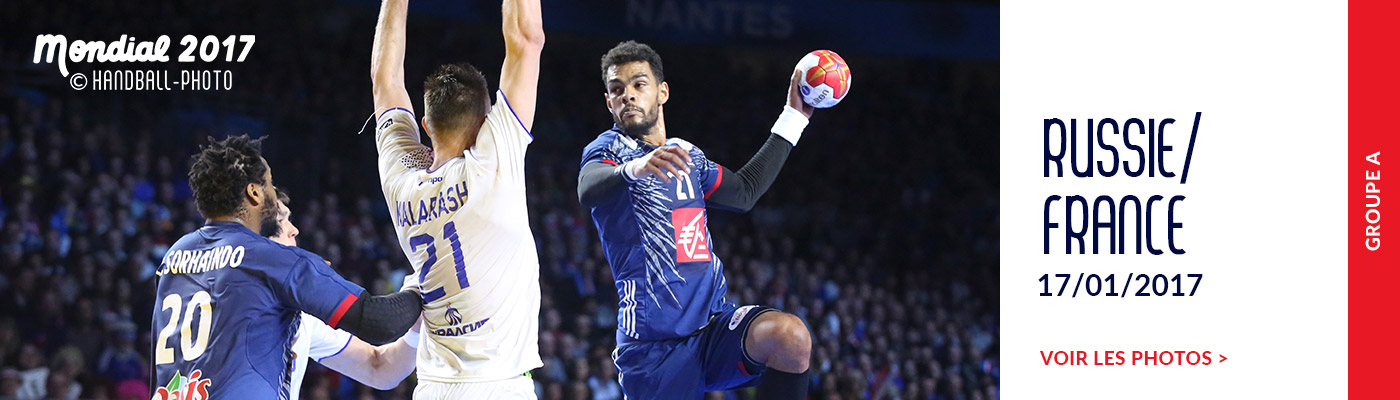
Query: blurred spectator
{"points": [[120, 362], [10, 382], [33, 375], [604, 384]]}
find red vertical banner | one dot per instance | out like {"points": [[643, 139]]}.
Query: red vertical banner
{"points": [[1374, 271]]}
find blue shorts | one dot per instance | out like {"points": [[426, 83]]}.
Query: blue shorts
{"points": [[685, 368]]}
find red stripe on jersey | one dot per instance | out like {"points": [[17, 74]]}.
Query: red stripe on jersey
{"points": [[742, 369], [718, 179], [340, 311], [608, 162]]}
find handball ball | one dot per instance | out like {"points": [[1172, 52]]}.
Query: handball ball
{"points": [[825, 78]]}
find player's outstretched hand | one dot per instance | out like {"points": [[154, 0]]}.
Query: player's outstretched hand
{"points": [[794, 98], [665, 159]]}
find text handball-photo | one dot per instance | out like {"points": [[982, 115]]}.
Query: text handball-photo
{"points": [[523, 199]]}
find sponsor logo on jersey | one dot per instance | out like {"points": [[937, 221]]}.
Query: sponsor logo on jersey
{"points": [[692, 244], [454, 317], [460, 330], [739, 316], [183, 388], [455, 326]]}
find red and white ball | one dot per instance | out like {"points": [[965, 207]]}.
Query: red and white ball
{"points": [[825, 78]]}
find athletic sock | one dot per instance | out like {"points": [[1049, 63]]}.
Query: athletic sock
{"points": [[779, 385]]}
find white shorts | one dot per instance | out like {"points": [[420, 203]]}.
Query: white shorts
{"points": [[517, 388]]}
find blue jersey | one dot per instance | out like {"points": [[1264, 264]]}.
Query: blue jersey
{"points": [[227, 308], [655, 237]]}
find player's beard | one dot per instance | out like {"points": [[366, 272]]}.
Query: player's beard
{"points": [[269, 210], [639, 128], [268, 225]]}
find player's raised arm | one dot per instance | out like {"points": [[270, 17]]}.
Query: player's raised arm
{"points": [[739, 190], [386, 62], [523, 28], [396, 131]]}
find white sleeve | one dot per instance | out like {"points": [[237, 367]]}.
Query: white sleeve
{"points": [[400, 149], [410, 282], [503, 138], [324, 341]]}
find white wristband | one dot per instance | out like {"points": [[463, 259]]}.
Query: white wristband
{"points": [[790, 124], [627, 170], [411, 338]]}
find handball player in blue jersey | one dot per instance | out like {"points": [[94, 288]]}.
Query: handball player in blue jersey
{"points": [[677, 335], [228, 299]]}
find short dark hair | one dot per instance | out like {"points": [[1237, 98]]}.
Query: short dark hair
{"points": [[455, 94], [221, 170], [271, 227], [631, 51]]}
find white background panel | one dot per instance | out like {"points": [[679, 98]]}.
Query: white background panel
{"points": [[1264, 214]]}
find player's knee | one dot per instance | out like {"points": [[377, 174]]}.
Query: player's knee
{"points": [[799, 339], [793, 339]]}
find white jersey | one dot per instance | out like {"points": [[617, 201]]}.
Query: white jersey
{"points": [[316, 340], [465, 226]]}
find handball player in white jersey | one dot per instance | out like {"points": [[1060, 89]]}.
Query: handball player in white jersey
{"points": [[459, 207]]}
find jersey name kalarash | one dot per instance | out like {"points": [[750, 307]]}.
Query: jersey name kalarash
{"points": [[465, 224], [228, 303], [656, 239]]}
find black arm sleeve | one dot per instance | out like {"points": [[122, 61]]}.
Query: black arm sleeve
{"points": [[750, 182], [597, 181], [382, 319]]}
